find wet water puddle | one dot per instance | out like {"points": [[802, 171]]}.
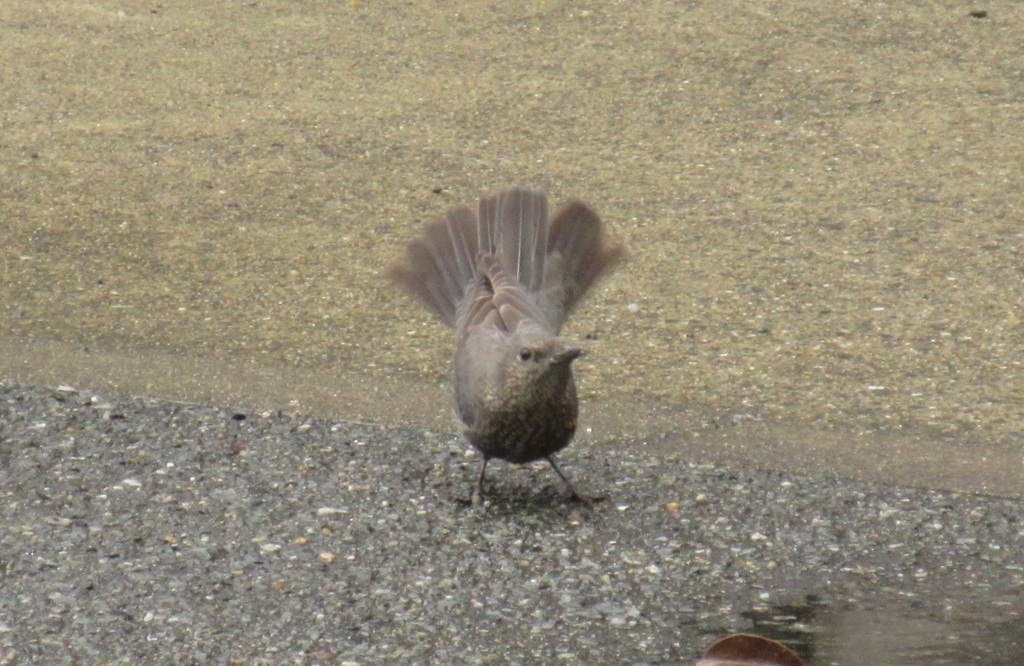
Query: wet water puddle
{"points": [[881, 636]]}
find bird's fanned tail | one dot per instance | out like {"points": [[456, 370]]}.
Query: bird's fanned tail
{"points": [[440, 264], [554, 262]]}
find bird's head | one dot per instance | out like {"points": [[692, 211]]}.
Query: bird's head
{"points": [[541, 362]]}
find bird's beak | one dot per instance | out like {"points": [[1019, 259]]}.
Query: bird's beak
{"points": [[569, 354]]}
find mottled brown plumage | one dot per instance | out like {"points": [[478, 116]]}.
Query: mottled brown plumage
{"points": [[506, 279]]}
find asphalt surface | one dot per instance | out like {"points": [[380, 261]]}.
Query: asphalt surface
{"points": [[141, 531]]}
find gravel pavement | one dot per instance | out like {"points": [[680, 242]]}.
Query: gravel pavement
{"points": [[139, 531]]}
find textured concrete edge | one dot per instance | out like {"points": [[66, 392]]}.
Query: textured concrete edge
{"points": [[337, 393]]}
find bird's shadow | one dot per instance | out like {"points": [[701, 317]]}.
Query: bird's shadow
{"points": [[511, 499]]}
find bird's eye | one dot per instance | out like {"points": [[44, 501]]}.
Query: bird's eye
{"points": [[525, 354]]}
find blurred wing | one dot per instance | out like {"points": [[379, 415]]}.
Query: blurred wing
{"points": [[497, 300]]}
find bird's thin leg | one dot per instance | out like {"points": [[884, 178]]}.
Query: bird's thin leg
{"points": [[478, 493], [568, 484]]}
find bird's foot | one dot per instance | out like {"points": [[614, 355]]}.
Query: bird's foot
{"points": [[587, 500]]}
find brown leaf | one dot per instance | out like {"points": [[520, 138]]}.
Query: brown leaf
{"points": [[749, 650]]}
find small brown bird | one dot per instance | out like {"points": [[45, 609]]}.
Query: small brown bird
{"points": [[506, 279]]}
